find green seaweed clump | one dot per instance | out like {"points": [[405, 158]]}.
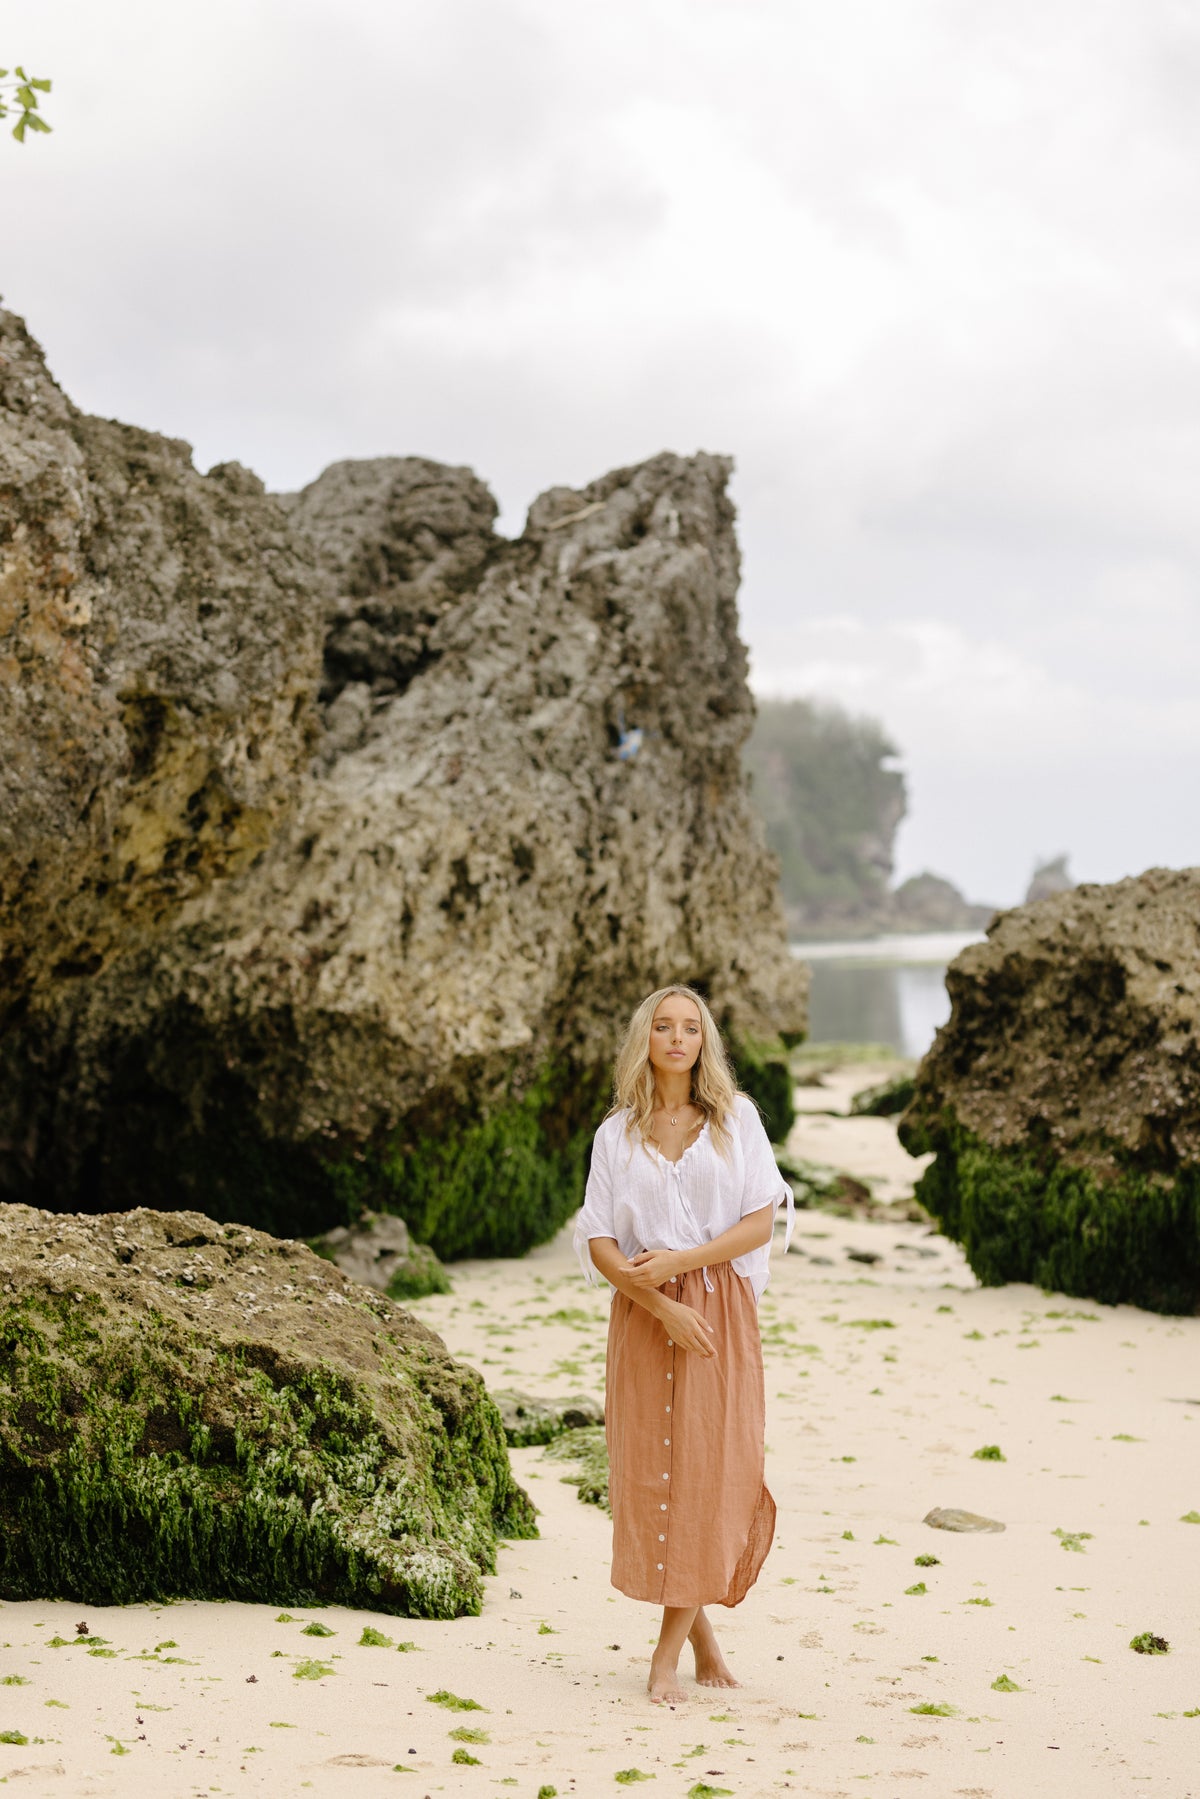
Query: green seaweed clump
{"points": [[452, 1702], [1146, 1643], [991, 1452], [588, 1447], [199, 1411]]}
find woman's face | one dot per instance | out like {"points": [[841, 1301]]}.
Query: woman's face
{"points": [[676, 1035]]}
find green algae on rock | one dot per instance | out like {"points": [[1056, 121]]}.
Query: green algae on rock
{"points": [[1062, 1099], [196, 1410]]}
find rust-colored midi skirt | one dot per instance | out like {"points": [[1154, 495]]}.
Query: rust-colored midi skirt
{"points": [[692, 1519]]}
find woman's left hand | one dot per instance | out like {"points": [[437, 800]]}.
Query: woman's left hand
{"points": [[655, 1267]]}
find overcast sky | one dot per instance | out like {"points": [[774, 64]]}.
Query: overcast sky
{"points": [[929, 271]]}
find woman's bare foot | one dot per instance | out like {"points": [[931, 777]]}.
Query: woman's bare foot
{"points": [[711, 1667], [664, 1687], [664, 1663]]}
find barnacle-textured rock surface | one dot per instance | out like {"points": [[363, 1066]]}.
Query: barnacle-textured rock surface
{"points": [[524, 809], [159, 631], [190, 1409], [1062, 1098]]}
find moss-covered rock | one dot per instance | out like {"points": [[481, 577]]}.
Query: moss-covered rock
{"points": [[189, 1409], [764, 1072], [378, 1250], [1062, 1098], [588, 1447], [529, 1420], [885, 1099]]}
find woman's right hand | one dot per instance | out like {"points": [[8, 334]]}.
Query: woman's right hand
{"points": [[688, 1329]]}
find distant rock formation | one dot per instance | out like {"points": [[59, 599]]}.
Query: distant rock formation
{"points": [[928, 902], [190, 1410], [1049, 877], [832, 802], [1062, 1098], [355, 830]]}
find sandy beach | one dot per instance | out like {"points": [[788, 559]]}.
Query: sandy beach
{"points": [[1003, 1672]]}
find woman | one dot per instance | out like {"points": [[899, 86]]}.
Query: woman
{"points": [[677, 1217]]}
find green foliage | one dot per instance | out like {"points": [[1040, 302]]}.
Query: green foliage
{"points": [[929, 1710], [308, 1670], [628, 1776], [1146, 1643], [1074, 1539], [764, 1072], [1002, 1684], [13, 1736], [926, 1561], [317, 1630], [830, 804], [991, 1452], [1130, 1238], [485, 1184], [22, 92], [916, 1591], [453, 1703], [465, 1758], [463, 1733], [374, 1639], [138, 1463]]}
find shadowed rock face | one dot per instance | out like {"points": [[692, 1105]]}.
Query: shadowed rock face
{"points": [[243, 1416], [1063, 1095], [525, 809]]}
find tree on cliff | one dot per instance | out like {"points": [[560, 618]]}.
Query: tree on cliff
{"points": [[19, 93], [831, 803]]}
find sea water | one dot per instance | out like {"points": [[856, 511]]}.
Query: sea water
{"points": [[889, 990]]}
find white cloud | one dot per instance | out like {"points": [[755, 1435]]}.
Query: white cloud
{"points": [[929, 271]]}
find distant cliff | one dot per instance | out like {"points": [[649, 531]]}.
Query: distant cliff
{"points": [[832, 800]]}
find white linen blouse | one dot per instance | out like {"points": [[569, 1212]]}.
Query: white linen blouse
{"points": [[636, 1195]]}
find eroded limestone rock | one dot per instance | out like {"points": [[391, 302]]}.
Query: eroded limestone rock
{"points": [[1062, 1098], [160, 634], [525, 810], [197, 1410]]}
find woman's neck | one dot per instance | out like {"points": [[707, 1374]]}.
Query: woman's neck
{"points": [[673, 1091]]}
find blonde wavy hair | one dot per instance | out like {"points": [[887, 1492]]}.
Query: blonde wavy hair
{"points": [[714, 1086]]}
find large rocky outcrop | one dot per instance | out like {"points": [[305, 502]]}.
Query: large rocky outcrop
{"points": [[196, 1410], [525, 808], [1062, 1098], [158, 635]]}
